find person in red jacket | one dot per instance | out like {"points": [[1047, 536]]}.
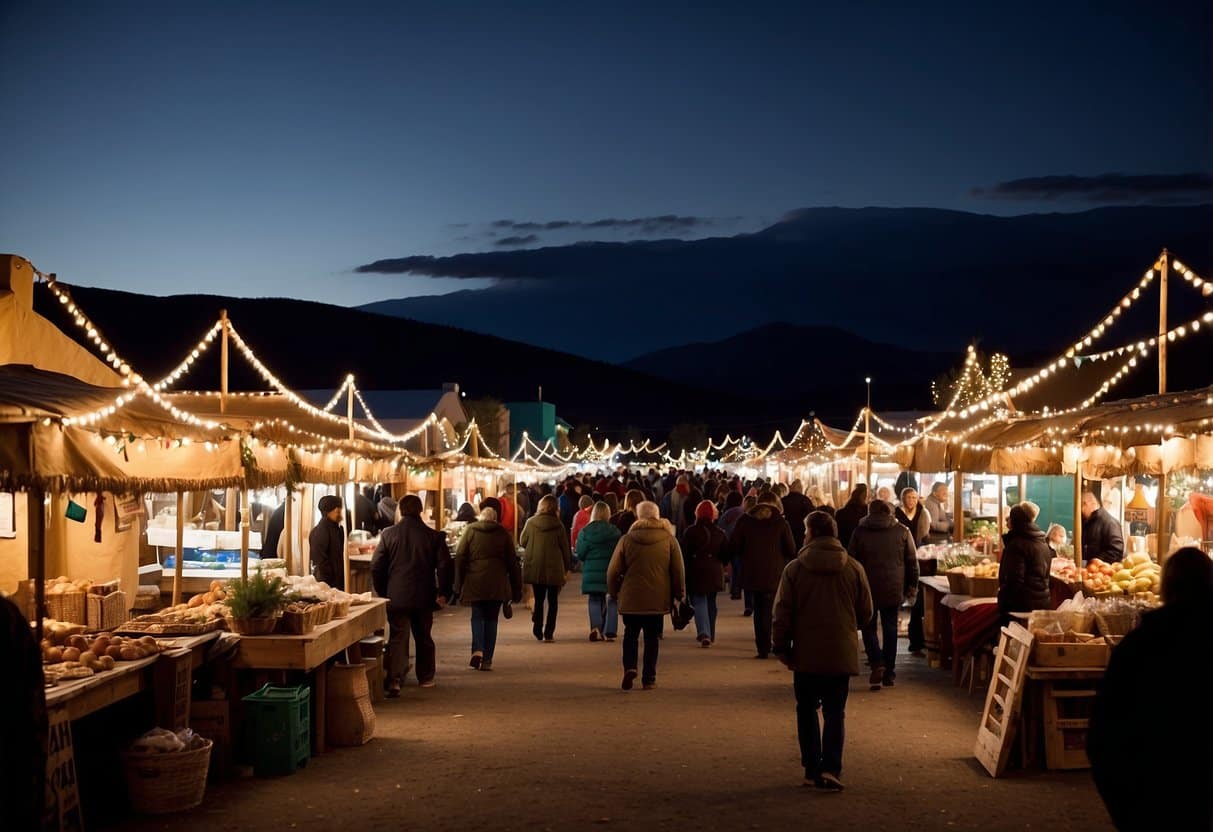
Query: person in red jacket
{"points": [[582, 518]]}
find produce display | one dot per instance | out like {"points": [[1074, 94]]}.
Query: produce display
{"points": [[79, 657], [307, 588], [1136, 575], [163, 741], [1064, 569], [983, 568], [57, 632], [63, 585]]}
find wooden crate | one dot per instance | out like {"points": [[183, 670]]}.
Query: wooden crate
{"points": [[1067, 714], [107, 612], [958, 583], [1069, 655], [983, 587]]}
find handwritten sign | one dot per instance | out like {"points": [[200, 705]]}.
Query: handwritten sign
{"points": [[62, 794]]}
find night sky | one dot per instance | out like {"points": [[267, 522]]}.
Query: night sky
{"points": [[270, 148]]}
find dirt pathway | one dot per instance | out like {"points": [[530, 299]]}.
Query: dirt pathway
{"points": [[548, 741]]}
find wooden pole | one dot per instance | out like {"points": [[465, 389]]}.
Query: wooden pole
{"points": [[35, 502], [958, 509], [223, 362], [345, 543], [244, 530], [349, 406], [514, 495], [1162, 506], [288, 531], [867, 448], [1079, 560], [179, 566], [438, 517], [1000, 510]]}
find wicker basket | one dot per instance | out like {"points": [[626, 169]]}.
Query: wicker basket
{"points": [[261, 626], [349, 715], [169, 782], [68, 606], [106, 612], [340, 608], [325, 614], [299, 623]]}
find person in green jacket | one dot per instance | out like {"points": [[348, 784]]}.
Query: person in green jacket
{"points": [[595, 545], [546, 561]]}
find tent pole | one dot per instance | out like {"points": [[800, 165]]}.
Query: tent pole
{"points": [[441, 507], [287, 530], [958, 509], [223, 362], [1078, 515], [1162, 505], [179, 565], [244, 530], [36, 519]]}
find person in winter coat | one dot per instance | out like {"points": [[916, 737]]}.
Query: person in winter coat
{"points": [[1101, 535], [487, 575], [413, 569], [673, 504], [547, 560], [849, 515], [886, 551], [912, 514], [595, 545], [646, 574], [1153, 668], [705, 551], [24, 728], [1023, 570], [763, 542], [273, 531], [823, 598], [569, 495], [582, 518], [627, 516], [941, 520], [327, 544], [466, 513], [796, 507]]}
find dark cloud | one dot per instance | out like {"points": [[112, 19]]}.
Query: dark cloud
{"points": [[521, 240], [663, 224], [1107, 187]]}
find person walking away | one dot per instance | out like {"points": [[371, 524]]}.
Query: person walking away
{"points": [[595, 545], [704, 550], [1101, 535], [763, 541], [727, 524], [673, 504], [849, 515], [912, 514], [627, 516], [645, 573], [796, 507], [937, 508], [413, 569], [487, 575], [886, 551], [327, 544], [569, 495], [547, 561], [1162, 665], [1023, 569], [823, 598], [582, 518]]}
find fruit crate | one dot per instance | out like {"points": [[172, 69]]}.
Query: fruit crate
{"points": [[958, 583], [278, 722], [1060, 654]]}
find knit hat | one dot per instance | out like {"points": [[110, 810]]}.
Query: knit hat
{"points": [[705, 511], [328, 503]]}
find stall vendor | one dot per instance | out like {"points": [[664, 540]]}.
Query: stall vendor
{"points": [[327, 544]]}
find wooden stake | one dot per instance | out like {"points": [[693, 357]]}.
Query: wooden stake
{"points": [[223, 361], [179, 566]]}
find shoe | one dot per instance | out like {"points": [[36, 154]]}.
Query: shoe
{"points": [[629, 679], [429, 683], [393, 689], [610, 637], [538, 632], [548, 639], [477, 660], [595, 635], [762, 655], [747, 612], [486, 665], [888, 679], [705, 641], [875, 677], [830, 782], [648, 685], [507, 610]]}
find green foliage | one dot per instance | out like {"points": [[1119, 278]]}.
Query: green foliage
{"points": [[257, 597]]}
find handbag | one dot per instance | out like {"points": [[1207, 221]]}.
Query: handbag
{"points": [[682, 613]]}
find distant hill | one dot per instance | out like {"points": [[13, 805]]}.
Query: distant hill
{"points": [[927, 279]]}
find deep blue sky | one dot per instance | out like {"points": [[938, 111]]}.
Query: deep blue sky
{"points": [[268, 148]]}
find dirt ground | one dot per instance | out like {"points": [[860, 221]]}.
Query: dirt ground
{"points": [[548, 741]]}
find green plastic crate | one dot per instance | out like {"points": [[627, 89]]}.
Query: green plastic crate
{"points": [[279, 726]]}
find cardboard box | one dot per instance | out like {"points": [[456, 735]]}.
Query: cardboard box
{"points": [[1069, 655]]}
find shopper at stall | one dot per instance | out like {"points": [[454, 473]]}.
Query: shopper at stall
{"points": [[796, 507], [913, 515], [646, 573], [1023, 570], [466, 513], [763, 542], [385, 517], [849, 515], [885, 549], [705, 551], [1056, 536], [487, 575], [23, 727], [327, 544], [1101, 534], [546, 562], [823, 598], [1162, 666], [273, 531], [412, 568], [937, 508], [595, 545]]}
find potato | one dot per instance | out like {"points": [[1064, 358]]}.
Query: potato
{"points": [[140, 652], [196, 601], [79, 642], [99, 645], [216, 585], [71, 654], [208, 598], [128, 654], [88, 658], [54, 655], [105, 663], [147, 641], [113, 652]]}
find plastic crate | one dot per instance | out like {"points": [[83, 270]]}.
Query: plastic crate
{"points": [[279, 725]]}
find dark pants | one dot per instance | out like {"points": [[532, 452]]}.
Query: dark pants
{"points": [[484, 627], [764, 606], [419, 622], [551, 593], [821, 746], [735, 591], [882, 652], [650, 625], [918, 638]]}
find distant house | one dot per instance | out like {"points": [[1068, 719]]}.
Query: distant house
{"points": [[403, 411]]}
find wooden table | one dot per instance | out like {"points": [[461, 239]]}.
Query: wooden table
{"points": [[1045, 687], [936, 621], [310, 653]]}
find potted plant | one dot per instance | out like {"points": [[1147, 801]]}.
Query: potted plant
{"points": [[256, 603]]}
